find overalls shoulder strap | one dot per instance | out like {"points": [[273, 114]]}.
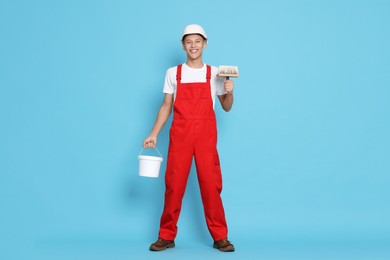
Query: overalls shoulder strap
{"points": [[178, 74], [208, 75]]}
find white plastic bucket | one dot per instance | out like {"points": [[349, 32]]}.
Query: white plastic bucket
{"points": [[149, 166]]}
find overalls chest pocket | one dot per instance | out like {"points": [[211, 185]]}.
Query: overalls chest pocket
{"points": [[195, 99], [194, 91]]}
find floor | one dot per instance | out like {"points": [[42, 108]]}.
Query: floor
{"points": [[126, 249]]}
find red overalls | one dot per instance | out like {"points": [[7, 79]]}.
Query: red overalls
{"points": [[193, 133]]}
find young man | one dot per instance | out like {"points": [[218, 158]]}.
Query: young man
{"points": [[190, 88]]}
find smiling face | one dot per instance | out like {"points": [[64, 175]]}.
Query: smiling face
{"points": [[193, 45]]}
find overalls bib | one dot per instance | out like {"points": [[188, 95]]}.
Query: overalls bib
{"points": [[193, 134]]}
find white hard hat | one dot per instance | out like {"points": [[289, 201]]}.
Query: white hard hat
{"points": [[194, 29]]}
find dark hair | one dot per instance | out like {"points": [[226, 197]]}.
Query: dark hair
{"points": [[182, 40]]}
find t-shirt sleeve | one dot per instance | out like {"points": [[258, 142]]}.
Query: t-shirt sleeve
{"points": [[217, 82], [170, 82], [219, 86]]}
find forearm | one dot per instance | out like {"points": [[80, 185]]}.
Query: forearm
{"points": [[161, 119], [227, 101]]}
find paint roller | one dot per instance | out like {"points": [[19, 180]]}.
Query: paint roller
{"points": [[228, 71]]}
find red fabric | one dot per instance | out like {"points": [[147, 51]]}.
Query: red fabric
{"points": [[193, 134]]}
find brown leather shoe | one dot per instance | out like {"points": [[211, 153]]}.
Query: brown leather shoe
{"points": [[161, 245], [224, 245]]}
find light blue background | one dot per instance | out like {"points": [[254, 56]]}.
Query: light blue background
{"points": [[304, 152]]}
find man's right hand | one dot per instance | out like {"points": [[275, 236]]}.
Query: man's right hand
{"points": [[150, 142]]}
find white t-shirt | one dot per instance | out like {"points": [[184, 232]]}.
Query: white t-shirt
{"points": [[189, 75]]}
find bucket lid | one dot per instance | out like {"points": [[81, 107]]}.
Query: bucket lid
{"points": [[150, 158]]}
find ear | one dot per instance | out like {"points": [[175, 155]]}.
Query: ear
{"points": [[205, 44]]}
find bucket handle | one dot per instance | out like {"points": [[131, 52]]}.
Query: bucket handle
{"points": [[154, 148]]}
